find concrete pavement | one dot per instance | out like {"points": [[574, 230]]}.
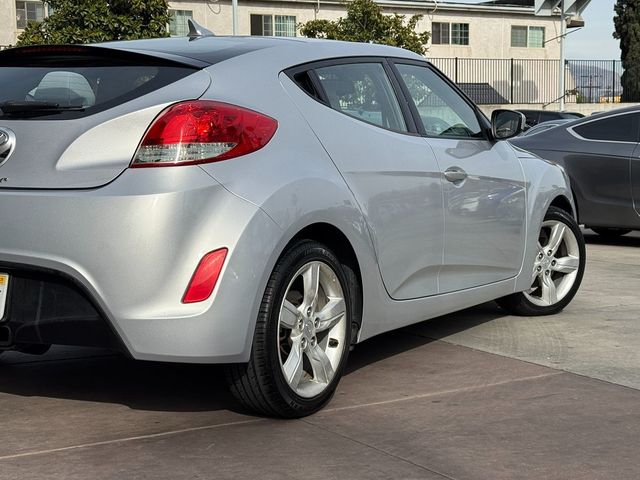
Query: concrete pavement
{"points": [[474, 395]]}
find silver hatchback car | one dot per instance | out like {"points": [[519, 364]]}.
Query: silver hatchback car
{"points": [[263, 203]]}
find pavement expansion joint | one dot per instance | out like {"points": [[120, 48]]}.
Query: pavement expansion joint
{"points": [[130, 439], [443, 392], [377, 449]]}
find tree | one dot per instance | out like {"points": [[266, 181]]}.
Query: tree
{"points": [[627, 30], [85, 21], [365, 22]]}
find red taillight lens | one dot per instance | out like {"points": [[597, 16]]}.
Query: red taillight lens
{"points": [[205, 277], [202, 131]]}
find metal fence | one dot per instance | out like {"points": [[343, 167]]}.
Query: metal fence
{"points": [[500, 81]]}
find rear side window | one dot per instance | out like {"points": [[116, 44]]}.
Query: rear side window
{"points": [[362, 91], [621, 128], [60, 84], [531, 117], [547, 116]]}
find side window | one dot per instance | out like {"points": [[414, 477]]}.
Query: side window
{"points": [[621, 128], [442, 110], [363, 91], [546, 116]]}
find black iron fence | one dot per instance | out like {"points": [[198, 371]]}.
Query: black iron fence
{"points": [[513, 80]]}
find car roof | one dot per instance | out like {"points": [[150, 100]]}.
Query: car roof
{"points": [[215, 49]]}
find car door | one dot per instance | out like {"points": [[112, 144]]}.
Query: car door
{"points": [[352, 106], [601, 161], [483, 183]]}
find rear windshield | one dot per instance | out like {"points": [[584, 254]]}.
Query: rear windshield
{"points": [[55, 84]]}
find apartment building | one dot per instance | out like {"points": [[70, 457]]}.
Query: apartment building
{"points": [[495, 29]]}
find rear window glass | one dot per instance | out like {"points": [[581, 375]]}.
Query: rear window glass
{"points": [[620, 128], [74, 85]]}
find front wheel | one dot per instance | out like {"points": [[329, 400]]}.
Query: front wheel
{"points": [[557, 269], [302, 335]]}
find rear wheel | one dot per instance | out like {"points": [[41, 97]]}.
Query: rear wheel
{"points": [[302, 335], [610, 232], [557, 270]]}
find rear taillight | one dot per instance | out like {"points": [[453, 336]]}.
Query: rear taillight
{"points": [[202, 131]]}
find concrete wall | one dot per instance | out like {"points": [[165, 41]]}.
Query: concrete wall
{"points": [[584, 108], [8, 30]]}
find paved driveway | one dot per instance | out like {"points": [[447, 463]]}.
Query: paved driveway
{"points": [[474, 395]]}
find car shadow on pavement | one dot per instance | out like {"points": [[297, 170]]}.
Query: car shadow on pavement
{"points": [[102, 376], [93, 375], [629, 240], [414, 336]]}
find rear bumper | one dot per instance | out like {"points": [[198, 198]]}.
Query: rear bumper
{"points": [[45, 307], [129, 249]]}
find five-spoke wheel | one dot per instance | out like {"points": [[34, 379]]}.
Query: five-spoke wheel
{"points": [[312, 329], [302, 336], [557, 268]]}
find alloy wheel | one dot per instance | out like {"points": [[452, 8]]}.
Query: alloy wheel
{"points": [[556, 266], [312, 329]]}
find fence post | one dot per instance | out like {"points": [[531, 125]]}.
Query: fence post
{"points": [[456, 71], [613, 82], [511, 82]]}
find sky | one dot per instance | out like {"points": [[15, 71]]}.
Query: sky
{"points": [[594, 41]]}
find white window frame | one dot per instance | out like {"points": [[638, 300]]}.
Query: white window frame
{"points": [[27, 20], [449, 39], [277, 24], [174, 13], [529, 28]]}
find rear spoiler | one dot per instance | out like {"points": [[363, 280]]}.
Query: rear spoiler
{"points": [[86, 55]]}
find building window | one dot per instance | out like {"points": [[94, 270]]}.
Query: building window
{"points": [[460, 34], [532, 37], [29, 12], [449, 33], [270, 25], [178, 26]]}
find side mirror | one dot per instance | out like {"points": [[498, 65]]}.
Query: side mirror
{"points": [[507, 124]]}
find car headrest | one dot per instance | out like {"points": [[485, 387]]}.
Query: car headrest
{"points": [[65, 89]]}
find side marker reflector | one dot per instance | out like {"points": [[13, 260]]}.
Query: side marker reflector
{"points": [[205, 277]]}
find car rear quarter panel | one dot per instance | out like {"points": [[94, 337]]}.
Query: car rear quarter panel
{"points": [[295, 182]]}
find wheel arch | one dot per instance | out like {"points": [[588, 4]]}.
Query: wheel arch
{"points": [[339, 244], [563, 203]]}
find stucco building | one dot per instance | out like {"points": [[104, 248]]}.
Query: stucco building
{"points": [[499, 29], [498, 51]]}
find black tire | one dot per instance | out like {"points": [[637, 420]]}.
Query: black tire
{"points": [[520, 304], [610, 232], [260, 384]]}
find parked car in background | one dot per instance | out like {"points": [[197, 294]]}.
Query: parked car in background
{"points": [[541, 127], [601, 155], [261, 202], [534, 117]]}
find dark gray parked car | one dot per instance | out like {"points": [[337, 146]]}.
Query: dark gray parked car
{"points": [[534, 117], [601, 156]]}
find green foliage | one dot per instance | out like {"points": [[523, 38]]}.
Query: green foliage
{"points": [[627, 30], [87, 21], [365, 22]]}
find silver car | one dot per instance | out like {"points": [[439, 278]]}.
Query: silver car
{"points": [[263, 203]]}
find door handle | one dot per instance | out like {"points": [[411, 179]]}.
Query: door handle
{"points": [[455, 174]]}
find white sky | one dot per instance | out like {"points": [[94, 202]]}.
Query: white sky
{"points": [[594, 41]]}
